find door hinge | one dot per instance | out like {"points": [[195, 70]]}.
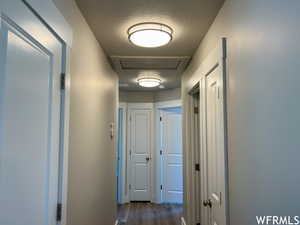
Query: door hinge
{"points": [[196, 110], [161, 187], [59, 212], [161, 152], [129, 186], [160, 118], [197, 167], [63, 81]]}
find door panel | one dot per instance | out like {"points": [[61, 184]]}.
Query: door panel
{"points": [[29, 118], [215, 147], [140, 154], [172, 179]]}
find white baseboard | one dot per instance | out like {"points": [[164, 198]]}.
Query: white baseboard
{"points": [[183, 221], [117, 222]]}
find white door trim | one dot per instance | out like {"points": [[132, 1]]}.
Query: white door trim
{"points": [[130, 107], [65, 136], [157, 182], [216, 57], [57, 24], [52, 16]]}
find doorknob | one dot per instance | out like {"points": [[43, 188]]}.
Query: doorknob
{"points": [[147, 159], [207, 203]]}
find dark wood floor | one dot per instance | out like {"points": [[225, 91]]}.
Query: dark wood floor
{"points": [[149, 214]]}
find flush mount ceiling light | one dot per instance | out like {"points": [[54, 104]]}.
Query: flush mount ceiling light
{"points": [[149, 82], [150, 35]]}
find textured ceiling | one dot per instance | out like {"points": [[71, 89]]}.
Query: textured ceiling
{"points": [[110, 19]]}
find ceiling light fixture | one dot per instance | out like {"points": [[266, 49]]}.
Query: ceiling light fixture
{"points": [[149, 82], [150, 35]]}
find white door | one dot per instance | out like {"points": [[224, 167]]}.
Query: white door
{"points": [[215, 148], [140, 154], [172, 180], [30, 67]]}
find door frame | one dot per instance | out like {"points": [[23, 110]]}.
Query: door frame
{"points": [[47, 12], [217, 57], [130, 108], [157, 157], [123, 179]]}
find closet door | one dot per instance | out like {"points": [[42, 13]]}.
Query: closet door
{"points": [[140, 154], [30, 70]]}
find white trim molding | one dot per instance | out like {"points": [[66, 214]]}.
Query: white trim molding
{"points": [[52, 16]]}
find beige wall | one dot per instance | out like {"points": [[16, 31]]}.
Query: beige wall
{"points": [[135, 96], [150, 96], [91, 197], [167, 95], [263, 94]]}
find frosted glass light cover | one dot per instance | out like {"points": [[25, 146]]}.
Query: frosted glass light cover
{"points": [[149, 82], [150, 35]]}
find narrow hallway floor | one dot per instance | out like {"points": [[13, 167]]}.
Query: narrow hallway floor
{"points": [[149, 214]]}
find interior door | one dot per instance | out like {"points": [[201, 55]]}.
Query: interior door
{"points": [[140, 154], [172, 180], [215, 148], [30, 67]]}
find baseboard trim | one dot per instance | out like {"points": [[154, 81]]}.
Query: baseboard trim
{"points": [[183, 221], [117, 222]]}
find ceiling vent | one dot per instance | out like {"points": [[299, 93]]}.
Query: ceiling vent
{"points": [[125, 64]]}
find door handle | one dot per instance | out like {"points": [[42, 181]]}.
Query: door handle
{"points": [[207, 203], [147, 159]]}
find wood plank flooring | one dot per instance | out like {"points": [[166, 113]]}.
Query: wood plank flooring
{"points": [[149, 214]]}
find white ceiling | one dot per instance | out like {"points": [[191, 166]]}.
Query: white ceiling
{"points": [[110, 19]]}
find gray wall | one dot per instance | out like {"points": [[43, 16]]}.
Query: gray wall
{"points": [[136, 96], [91, 197], [150, 96], [264, 110]]}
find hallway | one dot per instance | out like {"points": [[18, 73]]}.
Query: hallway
{"points": [[148, 112], [149, 214]]}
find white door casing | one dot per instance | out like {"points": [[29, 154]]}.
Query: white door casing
{"points": [[196, 158], [213, 139], [215, 148], [30, 69], [140, 154], [171, 136]]}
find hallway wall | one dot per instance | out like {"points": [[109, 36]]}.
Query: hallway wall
{"points": [[150, 96], [263, 95], [91, 197]]}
